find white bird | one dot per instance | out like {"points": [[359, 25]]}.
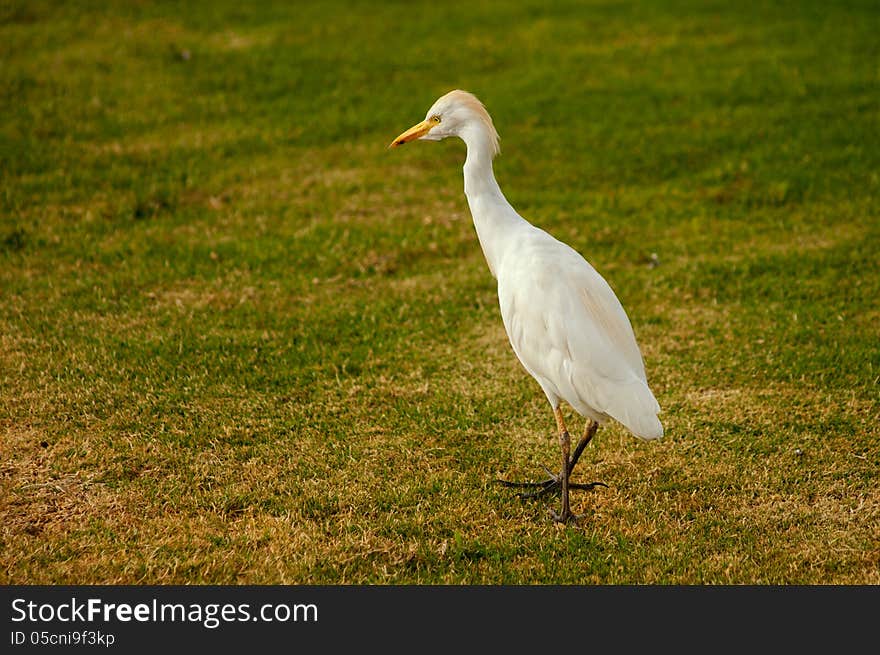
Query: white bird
{"points": [[565, 324]]}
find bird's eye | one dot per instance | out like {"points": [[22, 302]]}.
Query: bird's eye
{"points": [[435, 119]]}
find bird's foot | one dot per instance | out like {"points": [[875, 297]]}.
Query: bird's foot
{"points": [[539, 488], [566, 517], [552, 484]]}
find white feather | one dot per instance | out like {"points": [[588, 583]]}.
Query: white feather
{"points": [[571, 333]]}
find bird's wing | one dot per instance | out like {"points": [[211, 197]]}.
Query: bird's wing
{"points": [[568, 328], [609, 318]]}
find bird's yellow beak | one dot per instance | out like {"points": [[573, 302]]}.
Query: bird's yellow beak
{"points": [[413, 133]]}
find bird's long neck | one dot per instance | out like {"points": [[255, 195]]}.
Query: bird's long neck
{"points": [[494, 218]]}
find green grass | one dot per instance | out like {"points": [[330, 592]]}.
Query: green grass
{"points": [[242, 342]]}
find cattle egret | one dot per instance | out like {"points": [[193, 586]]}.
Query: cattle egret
{"points": [[563, 320]]}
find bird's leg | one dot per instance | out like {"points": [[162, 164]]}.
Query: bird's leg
{"points": [[589, 433], [565, 442], [554, 482]]}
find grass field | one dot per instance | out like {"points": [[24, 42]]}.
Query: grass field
{"points": [[243, 342]]}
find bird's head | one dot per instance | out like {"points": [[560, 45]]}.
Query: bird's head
{"points": [[458, 113]]}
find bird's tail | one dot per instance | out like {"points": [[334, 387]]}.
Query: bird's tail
{"points": [[636, 408]]}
